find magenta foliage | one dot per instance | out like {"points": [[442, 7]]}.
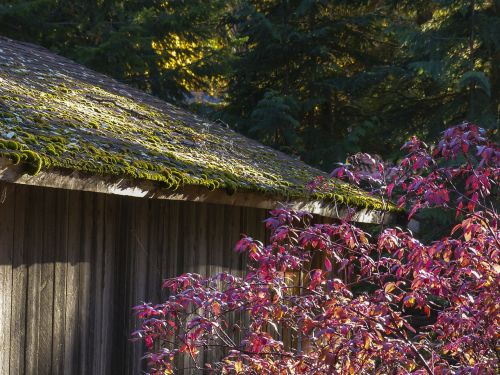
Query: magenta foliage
{"points": [[350, 303]]}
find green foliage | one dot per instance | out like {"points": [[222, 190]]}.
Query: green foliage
{"points": [[364, 75], [477, 79], [303, 51], [455, 43], [274, 121], [162, 47]]}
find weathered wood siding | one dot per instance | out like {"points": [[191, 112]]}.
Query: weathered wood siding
{"points": [[72, 265]]}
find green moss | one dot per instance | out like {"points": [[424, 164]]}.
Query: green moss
{"points": [[51, 150], [33, 161], [26, 137], [15, 157], [10, 145], [61, 87], [99, 129]]}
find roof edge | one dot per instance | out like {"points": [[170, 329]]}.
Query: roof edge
{"points": [[110, 184]]}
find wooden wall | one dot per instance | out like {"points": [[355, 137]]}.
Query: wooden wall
{"points": [[72, 265]]}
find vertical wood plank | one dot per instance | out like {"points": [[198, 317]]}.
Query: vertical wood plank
{"points": [[154, 271], [34, 247], [19, 285], [187, 238], [215, 240], [110, 228], [162, 248], [85, 336], [163, 238], [96, 303], [47, 215], [60, 251], [139, 277], [200, 250], [7, 204], [234, 232], [189, 213], [173, 247], [215, 254], [173, 253], [122, 263], [71, 332]]}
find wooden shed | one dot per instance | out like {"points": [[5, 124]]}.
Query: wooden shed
{"points": [[105, 191]]}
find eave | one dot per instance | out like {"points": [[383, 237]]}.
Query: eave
{"points": [[110, 184]]}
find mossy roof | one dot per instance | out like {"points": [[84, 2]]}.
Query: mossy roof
{"points": [[55, 113]]}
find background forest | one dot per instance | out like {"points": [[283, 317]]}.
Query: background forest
{"points": [[314, 78]]}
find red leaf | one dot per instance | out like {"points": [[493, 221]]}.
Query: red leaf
{"points": [[460, 205], [472, 203], [427, 310], [328, 264], [390, 187], [465, 147], [149, 342], [216, 308]]}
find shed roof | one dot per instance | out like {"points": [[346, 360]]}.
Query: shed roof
{"points": [[58, 115]]}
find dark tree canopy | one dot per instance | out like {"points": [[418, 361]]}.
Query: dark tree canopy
{"points": [[329, 78], [159, 46]]}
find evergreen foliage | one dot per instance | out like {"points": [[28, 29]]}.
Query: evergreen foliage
{"points": [[455, 45], [364, 75], [159, 46]]}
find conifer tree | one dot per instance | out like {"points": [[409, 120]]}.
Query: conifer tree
{"points": [[454, 48], [362, 75], [163, 47], [307, 54]]}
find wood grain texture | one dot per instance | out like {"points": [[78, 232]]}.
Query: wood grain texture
{"points": [[34, 249], [19, 289], [73, 264], [7, 206], [60, 236]]}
